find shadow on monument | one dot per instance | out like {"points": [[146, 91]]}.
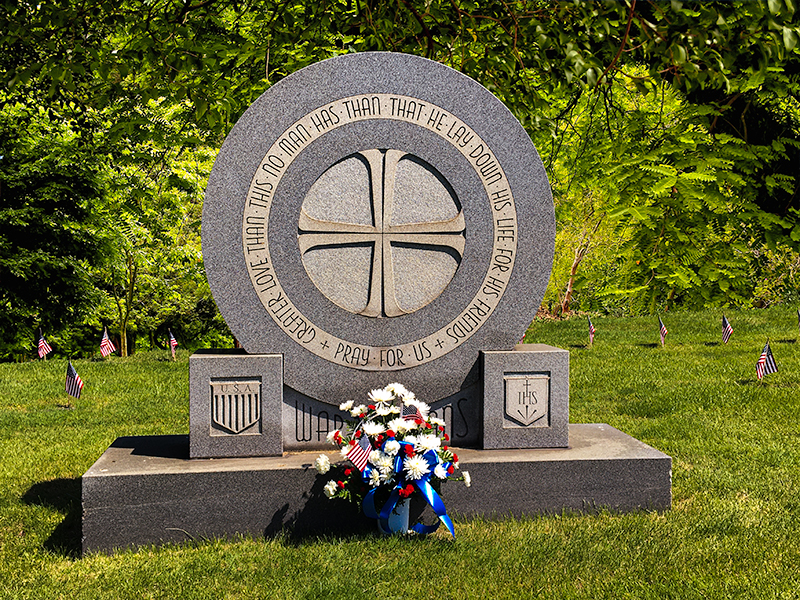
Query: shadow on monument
{"points": [[319, 517], [63, 495], [322, 517]]}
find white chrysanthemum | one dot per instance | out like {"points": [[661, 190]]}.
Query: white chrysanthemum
{"points": [[384, 463], [356, 411], [383, 409], [331, 435], [416, 467], [394, 410], [322, 464], [374, 456], [439, 471], [373, 428], [411, 439], [396, 425], [374, 478], [344, 450], [391, 447], [435, 421], [467, 478], [330, 489], [398, 389], [380, 396], [427, 442], [408, 396], [346, 405]]}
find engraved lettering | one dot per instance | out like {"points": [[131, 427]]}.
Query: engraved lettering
{"points": [[421, 351], [436, 119], [300, 421], [407, 109], [502, 260], [273, 164], [322, 433], [391, 357], [501, 199], [506, 229], [357, 355], [460, 136]]}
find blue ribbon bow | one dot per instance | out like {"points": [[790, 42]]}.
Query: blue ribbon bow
{"points": [[423, 485]]}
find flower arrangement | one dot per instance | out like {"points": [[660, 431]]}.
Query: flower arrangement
{"points": [[396, 449]]}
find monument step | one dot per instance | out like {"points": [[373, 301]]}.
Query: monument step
{"points": [[145, 490]]}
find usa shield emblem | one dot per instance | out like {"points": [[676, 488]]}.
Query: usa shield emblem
{"points": [[236, 405]]}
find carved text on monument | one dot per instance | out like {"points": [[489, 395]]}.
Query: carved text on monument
{"points": [[381, 237]]}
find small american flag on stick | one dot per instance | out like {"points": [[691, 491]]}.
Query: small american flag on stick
{"points": [[173, 343], [411, 412], [662, 330], [74, 383], [359, 453], [42, 347], [106, 345], [766, 363], [591, 332], [727, 330]]}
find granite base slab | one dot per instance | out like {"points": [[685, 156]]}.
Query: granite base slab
{"points": [[146, 490]]}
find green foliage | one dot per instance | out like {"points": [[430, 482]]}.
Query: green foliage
{"points": [[49, 224], [670, 130]]}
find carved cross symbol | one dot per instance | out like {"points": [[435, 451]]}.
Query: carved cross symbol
{"points": [[444, 234]]}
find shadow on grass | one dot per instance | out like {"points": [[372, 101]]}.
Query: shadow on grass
{"points": [[786, 341], [579, 346], [711, 344], [646, 345], [63, 495], [321, 518]]}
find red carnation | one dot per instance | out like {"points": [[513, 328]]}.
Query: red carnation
{"points": [[379, 439], [352, 442], [389, 433], [418, 421], [455, 457], [409, 450], [406, 491], [441, 428], [428, 426], [444, 448], [446, 437], [450, 470], [340, 484], [348, 472], [371, 407]]}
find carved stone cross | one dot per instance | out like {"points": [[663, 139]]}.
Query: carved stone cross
{"points": [[443, 234]]}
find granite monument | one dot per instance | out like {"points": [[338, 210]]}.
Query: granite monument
{"points": [[371, 218]]}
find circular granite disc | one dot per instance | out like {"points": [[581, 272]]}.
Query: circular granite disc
{"points": [[378, 217]]}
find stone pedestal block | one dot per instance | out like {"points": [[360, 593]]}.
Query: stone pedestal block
{"points": [[526, 397], [235, 404], [144, 490]]}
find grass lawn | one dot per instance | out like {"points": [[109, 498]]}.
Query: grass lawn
{"points": [[733, 531]]}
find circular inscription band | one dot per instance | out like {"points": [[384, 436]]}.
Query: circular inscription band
{"points": [[255, 231]]}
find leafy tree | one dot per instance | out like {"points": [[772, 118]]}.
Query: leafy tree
{"points": [[676, 200], [49, 229]]}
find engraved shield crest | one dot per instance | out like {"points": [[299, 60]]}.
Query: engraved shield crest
{"points": [[528, 399], [236, 405]]}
